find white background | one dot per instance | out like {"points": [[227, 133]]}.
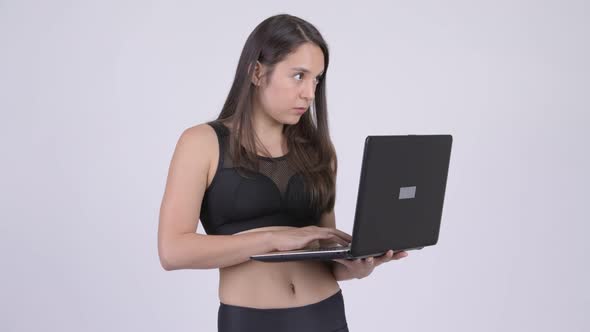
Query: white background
{"points": [[94, 96]]}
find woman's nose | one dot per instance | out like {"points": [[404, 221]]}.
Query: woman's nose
{"points": [[308, 90]]}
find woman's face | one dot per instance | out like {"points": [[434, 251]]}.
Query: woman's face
{"points": [[292, 85]]}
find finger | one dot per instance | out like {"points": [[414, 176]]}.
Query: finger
{"points": [[345, 236], [384, 258], [328, 243], [399, 255], [335, 238], [355, 263], [369, 264], [391, 255]]}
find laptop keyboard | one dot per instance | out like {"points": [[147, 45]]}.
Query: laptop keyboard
{"points": [[330, 248]]}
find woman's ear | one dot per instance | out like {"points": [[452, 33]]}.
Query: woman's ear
{"points": [[257, 74]]}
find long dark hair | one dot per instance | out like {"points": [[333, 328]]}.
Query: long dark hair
{"points": [[311, 152]]}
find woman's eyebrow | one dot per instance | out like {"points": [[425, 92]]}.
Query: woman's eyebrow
{"points": [[305, 70]]}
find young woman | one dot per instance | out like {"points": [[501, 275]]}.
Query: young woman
{"points": [[262, 177]]}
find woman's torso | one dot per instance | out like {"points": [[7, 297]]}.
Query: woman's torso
{"points": [[273, 285]]}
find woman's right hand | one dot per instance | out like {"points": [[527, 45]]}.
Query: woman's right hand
{"points": [[298, 238]]}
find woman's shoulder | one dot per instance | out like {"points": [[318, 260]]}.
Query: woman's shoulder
{"points": [[208, 129], [200, 139], [199, 132]]}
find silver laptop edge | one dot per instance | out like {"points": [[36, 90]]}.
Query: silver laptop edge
{"points": [[303, 251], [319, 250]]}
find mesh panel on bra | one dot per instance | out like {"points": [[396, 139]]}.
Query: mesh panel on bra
{"points": [[277, 169]]}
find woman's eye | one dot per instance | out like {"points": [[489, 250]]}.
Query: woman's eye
{"points": [[317, 80]]}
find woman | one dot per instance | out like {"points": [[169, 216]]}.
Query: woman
{"points": [[261, 177]]}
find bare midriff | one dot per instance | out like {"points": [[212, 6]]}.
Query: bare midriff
{"points": [[266, 285]]}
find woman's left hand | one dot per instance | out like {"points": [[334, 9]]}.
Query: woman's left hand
{"points": [[362, 267]]}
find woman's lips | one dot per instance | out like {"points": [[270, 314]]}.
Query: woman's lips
{"points": [[300, 110]]}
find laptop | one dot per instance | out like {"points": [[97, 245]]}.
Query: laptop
{"points": [[399, 203]]}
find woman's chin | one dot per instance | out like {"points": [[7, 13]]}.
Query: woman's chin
{"points": [[294, 119]]}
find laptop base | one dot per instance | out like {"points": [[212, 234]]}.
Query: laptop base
{"points": [[321, 254]]}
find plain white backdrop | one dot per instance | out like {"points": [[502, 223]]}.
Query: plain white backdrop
{"points": [[94, 95]]}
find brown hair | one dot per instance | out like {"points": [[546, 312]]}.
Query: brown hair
{"points": [[311, 151]]}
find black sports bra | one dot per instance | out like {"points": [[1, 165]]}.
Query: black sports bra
{"points": [[274, 196]]}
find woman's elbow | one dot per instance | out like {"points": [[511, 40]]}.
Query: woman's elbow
{"points": [[166, 259]]}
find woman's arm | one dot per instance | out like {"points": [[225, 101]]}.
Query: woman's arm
{"points": [[179, 245], [198, 251]]}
